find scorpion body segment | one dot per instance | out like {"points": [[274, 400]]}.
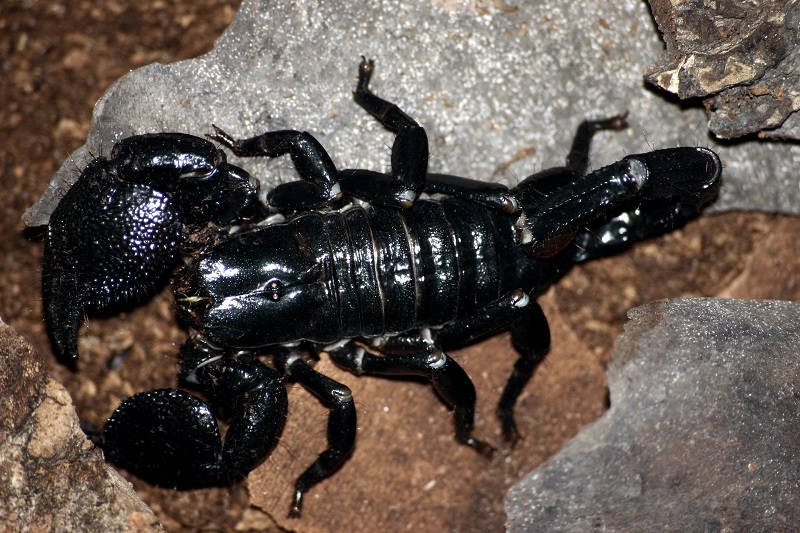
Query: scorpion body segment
{"points": [[383, 272]]}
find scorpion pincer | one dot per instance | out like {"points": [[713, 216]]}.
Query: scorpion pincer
{"points": [[383, 272]]}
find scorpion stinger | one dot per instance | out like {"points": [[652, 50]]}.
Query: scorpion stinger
{"points": [[385, 285]]}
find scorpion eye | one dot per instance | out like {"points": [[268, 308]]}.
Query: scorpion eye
{"points": [[273, 289]]}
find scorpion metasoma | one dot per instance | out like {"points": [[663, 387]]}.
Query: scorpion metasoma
{"points": [[383, 272]]}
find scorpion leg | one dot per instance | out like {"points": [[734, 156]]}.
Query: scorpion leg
{"points": [[409, 152], [319, 184], [491, 318], [578, 157], [447, 377], [493, 195], [533, 189], [530, 334], [171, 438], [341, 423], [540, 184]]}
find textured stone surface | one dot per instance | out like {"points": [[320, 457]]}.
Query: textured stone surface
{"points": [[500, 96], [51, 477], [703, 432]]}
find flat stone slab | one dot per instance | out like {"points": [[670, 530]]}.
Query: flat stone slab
{"points": [[703, 433]]}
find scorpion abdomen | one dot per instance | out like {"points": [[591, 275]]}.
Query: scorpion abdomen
{"points": [[401, 269]]}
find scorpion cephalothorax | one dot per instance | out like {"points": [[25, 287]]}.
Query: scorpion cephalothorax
{"points": [[421, 263]]}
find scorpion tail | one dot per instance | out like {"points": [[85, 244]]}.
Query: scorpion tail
{"points": [[640, 196]]}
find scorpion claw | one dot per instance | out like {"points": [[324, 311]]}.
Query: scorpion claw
{"points": [[62, 313]]}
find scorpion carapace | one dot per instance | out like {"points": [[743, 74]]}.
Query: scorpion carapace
{"points": [[383, 272]]}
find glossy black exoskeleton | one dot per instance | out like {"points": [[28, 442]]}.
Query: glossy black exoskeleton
{"points": [[383, 284]]}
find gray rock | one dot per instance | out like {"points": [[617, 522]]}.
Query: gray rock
{"points": [[500, 91], [703, 432]]}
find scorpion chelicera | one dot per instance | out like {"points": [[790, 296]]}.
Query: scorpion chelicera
{"points": [[383, 272]]}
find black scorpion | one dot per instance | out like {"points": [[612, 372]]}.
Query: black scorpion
{"points": [[354, 263]]}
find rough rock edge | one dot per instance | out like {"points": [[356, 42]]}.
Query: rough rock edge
{"points": [[743, 61], [51, 477]]}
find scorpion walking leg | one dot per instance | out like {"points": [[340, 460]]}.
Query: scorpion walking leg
{"points": [[493, 317], [533, 190], [578, 157], [341, 424], [319, 184], [409, 152], [531, 338], [530, 334], [447, 377], [493, 195], [540, 184]]}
